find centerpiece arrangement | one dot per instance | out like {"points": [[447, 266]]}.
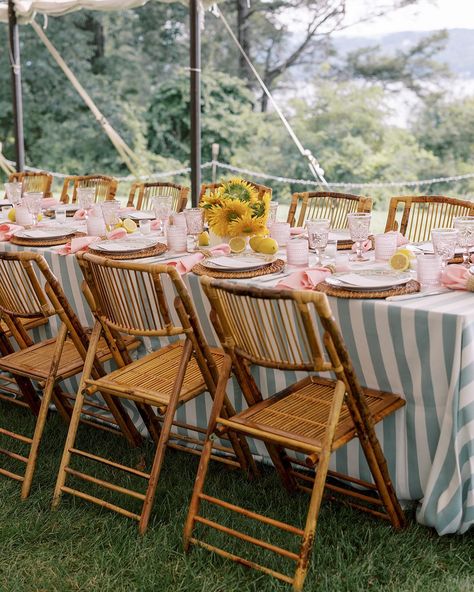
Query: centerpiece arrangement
{"points": [[236, 208]]}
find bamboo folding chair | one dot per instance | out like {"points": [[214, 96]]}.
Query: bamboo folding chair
{"points": [[49, 361], [207, 187], [315, 416], [141, 195], [326, 204], [33, 182], [131, 298], [105, 187], [421, 213]]}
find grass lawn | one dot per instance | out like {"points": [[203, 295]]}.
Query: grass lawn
{"points": [[82, 547]]}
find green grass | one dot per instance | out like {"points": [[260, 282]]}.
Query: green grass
{"points": [[82, 547]]}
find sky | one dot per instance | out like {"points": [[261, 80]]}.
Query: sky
{"points": [[427, 15]]}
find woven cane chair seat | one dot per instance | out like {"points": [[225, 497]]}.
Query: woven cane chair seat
{"points": [[35, 361], [151, 378], [303, 413]]}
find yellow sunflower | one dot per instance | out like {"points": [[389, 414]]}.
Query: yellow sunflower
{"points": [[220, 217], [215, 198], [239, 189], [247, 226]]}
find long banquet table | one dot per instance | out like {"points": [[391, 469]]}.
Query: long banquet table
{"points": [[422, 349]]}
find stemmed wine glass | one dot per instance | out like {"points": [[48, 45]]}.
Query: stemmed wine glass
{"points": [[13, 192], [162, 210], [318, 233], [444, 243], [195, 224], [465, 227], [110, 209], [85, 198], [359, 225], [272, 213], [32, 202]]}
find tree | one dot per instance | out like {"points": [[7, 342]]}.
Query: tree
{"points": [[415, 68]]}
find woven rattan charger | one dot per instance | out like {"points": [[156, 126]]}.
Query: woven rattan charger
{"points": [[273, 267], [153, 251], [44, 242], [411, 287]]}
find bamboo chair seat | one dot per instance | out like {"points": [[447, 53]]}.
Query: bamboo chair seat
{"points": [[30, 294], [302, 412], [151, 379], [27, 324], [292, 331], [35, 361], [151, 300]]}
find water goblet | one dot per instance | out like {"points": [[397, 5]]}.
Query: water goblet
{"points": [[13, 192], [32, 202], [465, 227], [359, 225], [110, 210], [318, 233], [195, 224], [162, 205], [85, 198], [444, 243]]}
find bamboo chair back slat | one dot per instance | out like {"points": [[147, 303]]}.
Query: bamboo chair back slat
{"points": [[130, 298], [416, 216], [21, 293], [208, 187], [33, 182], [105, 187], [323, 204], [141, 195], [278, 331]]}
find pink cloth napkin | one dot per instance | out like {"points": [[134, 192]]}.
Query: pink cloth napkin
{"points": [[455, 277], [297, 230], [77, 244], [307, 279], [48, 202], [7, 231], [117, 233], [155, 224], [80, 215], [187, 263], [366, 245]]}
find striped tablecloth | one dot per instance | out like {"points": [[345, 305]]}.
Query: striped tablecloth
{"points": [[422, 349]]}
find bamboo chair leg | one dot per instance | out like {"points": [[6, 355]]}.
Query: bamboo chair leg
{"points": [[76, 415], [206, 453], [318, 489], [43, 413], [163, 441]]}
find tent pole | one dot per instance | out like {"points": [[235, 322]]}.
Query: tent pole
{"points": [[195, 68], [16, 86]]}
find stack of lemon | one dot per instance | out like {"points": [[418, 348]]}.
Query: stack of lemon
{"points": [[401, 260], [259, 244], [129, 225]]}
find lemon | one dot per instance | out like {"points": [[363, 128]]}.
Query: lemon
{"points": [[268, 246], [399, 261], [237, 244], [40, 217], [12, 215], [203, 239], [119, 224], [406, 252], [129, 225], [254, 242]]}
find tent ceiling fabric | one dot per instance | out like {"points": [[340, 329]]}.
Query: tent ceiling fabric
{"points": [[26, 9]]}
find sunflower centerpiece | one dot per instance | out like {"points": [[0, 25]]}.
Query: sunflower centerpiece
{"points": [[235, 208]]}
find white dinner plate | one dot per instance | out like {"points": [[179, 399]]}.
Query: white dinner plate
{"points": [[138, 215], [368, 279], [428, 249], [238, 262], [129, 245], [43, 233]]}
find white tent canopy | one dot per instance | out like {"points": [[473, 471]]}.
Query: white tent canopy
{"points": [[26, 9]]}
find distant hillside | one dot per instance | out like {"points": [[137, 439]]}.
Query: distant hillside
{"points": [[459, 52]]}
